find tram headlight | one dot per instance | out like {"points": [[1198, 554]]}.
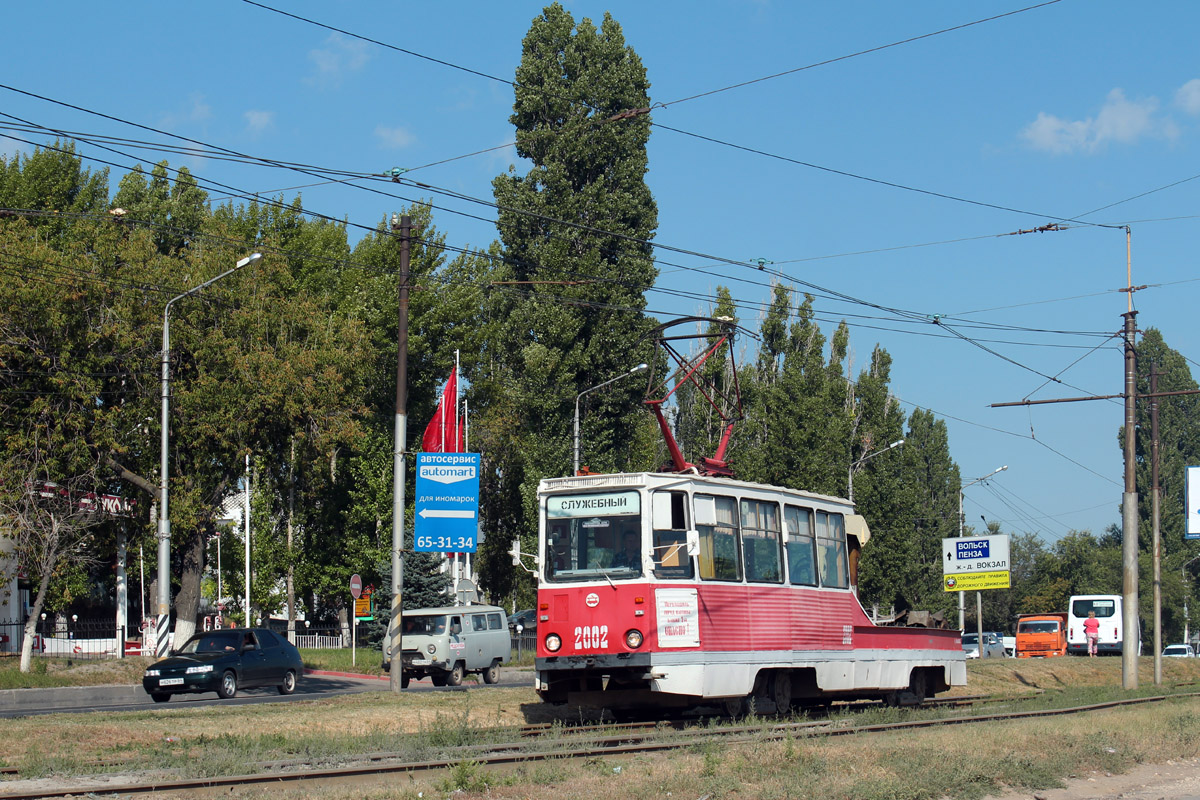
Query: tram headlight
{"points": [[633, 638], [553, 642]]}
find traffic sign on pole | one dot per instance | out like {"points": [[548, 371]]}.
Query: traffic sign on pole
{"points": [[447, 502], [355, 586], [1192, 531], [975, 562]]}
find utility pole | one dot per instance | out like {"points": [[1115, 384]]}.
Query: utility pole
{"points": [[1129, 516], [1155, 498], [404, 227]]}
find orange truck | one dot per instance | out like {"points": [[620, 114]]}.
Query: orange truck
{"points": [[1042, 635]]}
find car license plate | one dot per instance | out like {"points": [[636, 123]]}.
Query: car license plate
{"points": [[421, 662], [170, 682]]}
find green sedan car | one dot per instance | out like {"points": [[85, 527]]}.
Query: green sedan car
{"points": [[223, 661]]}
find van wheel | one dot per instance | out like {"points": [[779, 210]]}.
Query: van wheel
{"points": [[492, 673], [455, 676], [404, 681], [438, 678]]}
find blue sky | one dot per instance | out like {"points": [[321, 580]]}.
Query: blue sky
{"points": [[890, 177]]}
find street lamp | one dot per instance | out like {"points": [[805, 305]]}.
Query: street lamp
{"points": [[633, 371], [164, 521], [864, 459], [978, 599]]}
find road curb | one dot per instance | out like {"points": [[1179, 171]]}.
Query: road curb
{"points": [[68, 696], [331, 674]]}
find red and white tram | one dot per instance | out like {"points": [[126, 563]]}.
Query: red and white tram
{"points": [[734, 591], [687, 587]]}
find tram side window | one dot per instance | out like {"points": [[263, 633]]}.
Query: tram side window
{"points": [[670, 535], [719, 540], [801, 552], [760, 541], [831, 547]]}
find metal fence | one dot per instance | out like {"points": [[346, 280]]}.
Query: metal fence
{"points": [[95, 639], [101, 639], [524, 644]]}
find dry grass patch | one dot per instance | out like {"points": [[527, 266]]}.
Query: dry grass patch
{"points": [[1017, 676], [358, 722], [960, 762]]}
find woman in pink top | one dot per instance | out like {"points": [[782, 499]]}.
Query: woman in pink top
{"points": [[1091, 629]]}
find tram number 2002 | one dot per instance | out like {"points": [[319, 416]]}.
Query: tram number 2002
{"points": [[588, 637]]}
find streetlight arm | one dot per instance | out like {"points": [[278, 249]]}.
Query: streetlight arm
{"points": [[864, 459], [985, 477], [575, 442], [869, 456], [250, 259]]}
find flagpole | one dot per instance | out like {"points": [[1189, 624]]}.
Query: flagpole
{"points": [[456, 445], [467, 448], [457, 379]]}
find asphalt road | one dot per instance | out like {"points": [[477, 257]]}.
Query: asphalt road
{"points": [[88, 699]]}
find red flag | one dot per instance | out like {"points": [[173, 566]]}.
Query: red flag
{"points": [[444, 432]]}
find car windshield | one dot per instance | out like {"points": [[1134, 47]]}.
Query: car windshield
{"points": [[1177, 649], [216, 642], [971, 639], [424, 625], [1039, 626]]}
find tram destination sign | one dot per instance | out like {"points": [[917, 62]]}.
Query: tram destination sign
{"points": [[975, 562], [447, 503]]}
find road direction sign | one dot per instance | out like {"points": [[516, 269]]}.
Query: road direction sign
{"points": [[447, 502], [1192, 531], [975, 562]]}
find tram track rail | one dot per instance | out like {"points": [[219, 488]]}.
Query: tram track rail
{"points": [[572, 742]]}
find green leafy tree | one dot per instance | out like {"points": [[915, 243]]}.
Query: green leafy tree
{"points": [[902, 564], [575, 263], [574, 232], [52, 179]]}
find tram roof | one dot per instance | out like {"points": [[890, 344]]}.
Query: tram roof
{"points": [[660, 480]]}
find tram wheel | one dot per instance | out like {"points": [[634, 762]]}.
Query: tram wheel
{"points": [[781, 692], [736, 707]]}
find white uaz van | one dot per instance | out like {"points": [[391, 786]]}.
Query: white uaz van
{"points": [[449, 642]]}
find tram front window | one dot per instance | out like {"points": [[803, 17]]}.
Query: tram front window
{"points": [[593, 535]]}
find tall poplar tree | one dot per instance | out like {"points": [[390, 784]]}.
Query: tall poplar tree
{"points": [[575, 261]]}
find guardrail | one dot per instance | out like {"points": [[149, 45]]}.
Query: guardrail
{"points": [[101, 639]]}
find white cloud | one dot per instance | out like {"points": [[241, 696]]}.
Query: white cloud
{"points": [[1119, 120], [339, 57], [259, 121], [1188, 97], [394, 137], [197, 111]]}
